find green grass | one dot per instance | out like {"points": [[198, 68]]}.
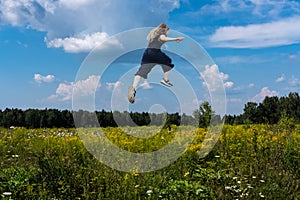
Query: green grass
{"points": [[248, 162]]}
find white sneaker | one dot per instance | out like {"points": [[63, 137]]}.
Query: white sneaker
{"points": [[131, 94], [166, 82]]}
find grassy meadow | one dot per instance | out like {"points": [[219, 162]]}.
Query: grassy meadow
{"points": [[247, 162]]}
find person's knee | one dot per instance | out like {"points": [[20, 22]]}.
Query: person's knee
{"points": [[167, 68]]}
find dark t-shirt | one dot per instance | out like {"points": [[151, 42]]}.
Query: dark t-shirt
{"points": [[156, 43]]}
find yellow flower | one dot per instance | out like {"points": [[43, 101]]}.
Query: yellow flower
{"points": [[135, 174], [186, 174], [126, 176], [137, 186]]}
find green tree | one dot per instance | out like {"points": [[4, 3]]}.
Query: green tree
{"points": [[203, 115], [269, 110], [290, 106], [251, 114]]}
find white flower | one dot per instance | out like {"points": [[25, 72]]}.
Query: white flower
{"points": [[261, 195], [217, 156], [149, 192], [7, 193], [262, 181], [253, 176]]}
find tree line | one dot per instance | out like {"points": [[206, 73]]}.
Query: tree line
{"points": [[269, 111], [50, 118]]}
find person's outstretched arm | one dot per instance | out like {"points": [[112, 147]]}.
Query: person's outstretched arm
{"points": [[169, 39]]}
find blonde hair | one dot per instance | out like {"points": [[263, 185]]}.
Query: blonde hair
{"points": [[161, 29]]}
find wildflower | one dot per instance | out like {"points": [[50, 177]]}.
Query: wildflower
{"points": [[15, 156], [262, 181], [234, 178], [126, 176], [217, 156], [253, 176], [137, 186], [135, 174], [149, 192], [239, 182], [261, 195], [7, 193], [227, 187], [186, 174]]}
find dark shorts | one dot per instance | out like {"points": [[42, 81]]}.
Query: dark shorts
{"points": [[152, 57]]}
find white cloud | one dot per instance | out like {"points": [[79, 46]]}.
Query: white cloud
{"points": [[251, 85], [252, 59], [234, 100], [43, 79], [63, 92], [73, 24], [281, 78], [85, 87], [214, 79], [224, 6], [228, 84], [277, 33], [75, 4], [294, 81], [294, 56], [251, 8], [146, 85], [265, 91], [83, 44], [112, 86], [242, 88]]}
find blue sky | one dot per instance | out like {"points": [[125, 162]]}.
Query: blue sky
{"points": [[255, 44]]}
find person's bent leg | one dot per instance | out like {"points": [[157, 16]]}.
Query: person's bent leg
{"points": [[166, 75], [141, 73], [136, 81], [165, 81]]}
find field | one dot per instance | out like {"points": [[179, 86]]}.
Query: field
{"points": [[247, 162]]}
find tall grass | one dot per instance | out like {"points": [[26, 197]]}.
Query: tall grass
{"points": [[248, 162]]}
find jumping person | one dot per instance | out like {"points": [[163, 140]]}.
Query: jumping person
{"points": [[153, 56]]}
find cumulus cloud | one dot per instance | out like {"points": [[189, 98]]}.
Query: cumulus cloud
{"points": [[63, 92], [43, 79], [228, 84], [276, 33], [85, 87], [214, 79], [76, 24], [280, 79], [265, 91], [83, 44]]}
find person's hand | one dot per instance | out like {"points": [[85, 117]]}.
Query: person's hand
{"points": [[179, 39]]}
